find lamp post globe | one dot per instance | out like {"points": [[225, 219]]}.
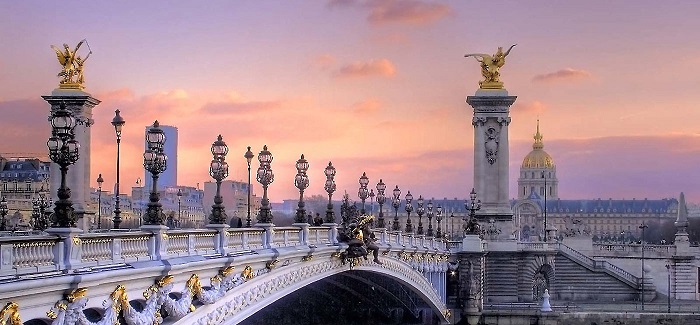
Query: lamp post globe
{"points": [[99, 201], [249, 158], [381, 198], [155, 162], [64, 151], [301, 182], [395, 202], [118, 122], [218, 170], [265, 176], [330, 187], [409, 209]]}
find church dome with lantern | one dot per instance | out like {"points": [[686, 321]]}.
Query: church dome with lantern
{"points": [[538, 158], [538, 174]]}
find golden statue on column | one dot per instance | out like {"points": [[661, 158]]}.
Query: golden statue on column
{"points": [[72, 66], [489, 67]]}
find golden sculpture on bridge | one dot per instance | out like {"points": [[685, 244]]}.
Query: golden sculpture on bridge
{"points": [[490, 66], [72, 66]]}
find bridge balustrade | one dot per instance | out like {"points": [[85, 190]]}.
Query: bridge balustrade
{"points": [[45, 253]]}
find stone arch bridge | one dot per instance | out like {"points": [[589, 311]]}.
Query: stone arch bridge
{"points": [[206, 276]]}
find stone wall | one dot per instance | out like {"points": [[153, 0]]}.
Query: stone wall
{"points": [[586, 318]]}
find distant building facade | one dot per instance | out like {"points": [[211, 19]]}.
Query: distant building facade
{"points": [[235, 196], [23, 181], [538, 187]]}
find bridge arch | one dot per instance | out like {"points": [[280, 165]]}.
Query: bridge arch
{"points": [[263, 290]]}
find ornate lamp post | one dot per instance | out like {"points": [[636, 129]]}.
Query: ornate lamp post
{"points": [[330, 188], [249, 158], [118, 122], [545, 208], [155, 162], [381, 198], [668, 301], [179, 205], [438, 217], [362, 193], [3, 214], [420, 210], [265, 177], [371, 200], [218, 170], [409, 209], [99, 200], [472, 226], [301, 181], [396, 201], [430, 218], [643, 227], [63, 150]]}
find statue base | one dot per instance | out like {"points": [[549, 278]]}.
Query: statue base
{"points": [[491, 85]]}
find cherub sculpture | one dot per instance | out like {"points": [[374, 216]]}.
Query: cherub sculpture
{"points": [[490, 66]]}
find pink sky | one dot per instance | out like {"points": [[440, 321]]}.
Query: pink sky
{"points": [[375, 86]]}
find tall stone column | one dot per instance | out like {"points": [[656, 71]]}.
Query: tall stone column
{"points": [[490, 121], [80, 104]]}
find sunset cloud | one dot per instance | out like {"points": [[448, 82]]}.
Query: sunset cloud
{"points": [[371, 68], [411, 12], [366, 107], [406, 11], [567, 74], [528, 108], [323, 61], [238, 108]]}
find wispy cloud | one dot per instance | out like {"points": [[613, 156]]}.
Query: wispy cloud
{"points": [[324, 61], [410, 12], [406, 11], [367, 107], [239, 107], [371, 68], [567, 74]]}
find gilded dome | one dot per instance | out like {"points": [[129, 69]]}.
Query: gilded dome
{"points": [[538, 158]]}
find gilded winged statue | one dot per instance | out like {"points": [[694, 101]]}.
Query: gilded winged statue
{"points": [[490, 66], [72, 66]]}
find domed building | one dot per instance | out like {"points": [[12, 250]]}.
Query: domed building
{"points": [[604, 219]]}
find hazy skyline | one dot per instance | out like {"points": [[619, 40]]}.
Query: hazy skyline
{"points": [[374, 86]]}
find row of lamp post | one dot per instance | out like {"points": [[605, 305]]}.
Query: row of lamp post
{"points": [[64, 151]]}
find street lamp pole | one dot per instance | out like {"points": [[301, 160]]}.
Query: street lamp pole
{"points": [[395, 202], [301, 181], [265, 176], [179, 205], [249, 158], [3, 213], [329, 186], [643, 227], [155, 162], [381, 198], [438, 217], [472, 227], [117, 122], [420, 210], [430, 218], [218, 170], [362, 193], [545, 206], [409, 208], [668, 301], [99, 201], [63, 150]]}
